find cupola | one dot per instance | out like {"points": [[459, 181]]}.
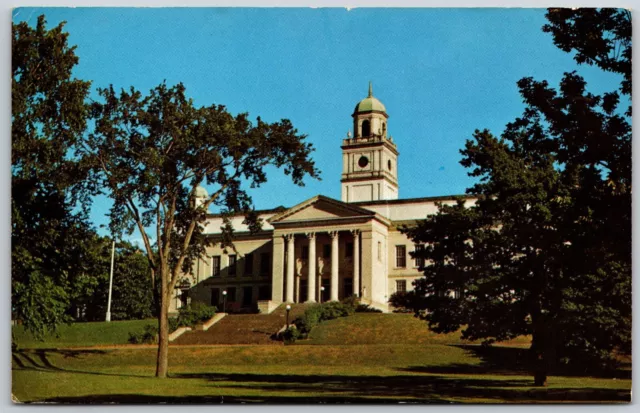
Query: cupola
{"points": [[370, 117]]}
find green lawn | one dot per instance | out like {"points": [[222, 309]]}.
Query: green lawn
{"points": [[83, 334], [373, 328], [368, 366]]}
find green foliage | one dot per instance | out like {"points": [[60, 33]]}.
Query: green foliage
{"points": [[600, 37], [405, 302], [366, 308], [194, 313], [151, 152], [48, 116], [174, 324], [80, 334], [148, 336], [353, 302], [131, 296], [291, 334], [318, 313], [546, 249]]}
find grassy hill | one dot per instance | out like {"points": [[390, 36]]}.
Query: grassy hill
{"points": [[375, 328], [365, 358], [97, 333]]}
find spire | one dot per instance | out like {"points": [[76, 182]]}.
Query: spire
{"points": [[370, 90]]}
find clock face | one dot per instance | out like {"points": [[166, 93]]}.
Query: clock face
{"points": [[363, 162]]}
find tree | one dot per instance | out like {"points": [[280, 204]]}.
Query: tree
{"points": [[48, 116], [546, 249], [152, 152], [132, 297]]}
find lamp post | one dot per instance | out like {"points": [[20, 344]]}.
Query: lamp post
{"points": [[288, 309], [224, 301], [321, 293]]}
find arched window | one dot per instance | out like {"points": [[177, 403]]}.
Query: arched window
{"points": [[384, 128], [366, 128]]}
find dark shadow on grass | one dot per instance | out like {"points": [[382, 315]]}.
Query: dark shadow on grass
{"points": [[420, 389], [436, 387], [511, 361], [39, 360], [365, 389]]}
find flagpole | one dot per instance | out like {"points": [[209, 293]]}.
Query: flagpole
{"points": [[113, 252]]}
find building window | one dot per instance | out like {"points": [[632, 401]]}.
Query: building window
{"points": [[264, 292], [305, 252], [215, 266], [379, 251], [349, 250], [231, 294], [248, 264], [183, 299], [401, 256], [348, 287], [215, 297], [326, 250], [366, 128], [419, 248], [247, 296], [401, 286], [265, 263], [232, 265]]}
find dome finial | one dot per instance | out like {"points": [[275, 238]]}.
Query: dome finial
{"points": [[370, 89]]}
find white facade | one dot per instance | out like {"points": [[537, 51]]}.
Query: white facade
{"points": [[323, 249]]}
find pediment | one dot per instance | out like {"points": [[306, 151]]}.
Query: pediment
{"points": [[320, 208]]}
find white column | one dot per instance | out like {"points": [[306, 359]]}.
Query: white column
{"points": [[356, 262], [277, 270], [311, 273], [334, 265], [290, 266]]}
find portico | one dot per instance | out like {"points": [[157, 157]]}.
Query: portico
{"points": [[319, 243], [305, 270]]}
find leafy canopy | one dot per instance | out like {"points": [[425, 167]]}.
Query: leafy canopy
{"points": [[546, 248], [151, 153], [48, 116]]}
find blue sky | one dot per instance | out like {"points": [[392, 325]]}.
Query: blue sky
{"points": [[441, 73]]}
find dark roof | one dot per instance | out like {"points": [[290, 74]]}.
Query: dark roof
{"points": [[257, 211], [361, 203], [413, 200]]}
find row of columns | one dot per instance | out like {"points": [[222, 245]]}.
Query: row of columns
{"points": [[313, 294]]}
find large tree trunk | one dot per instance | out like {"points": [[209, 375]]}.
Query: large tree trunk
{"points": [[540, 374], [162, 361], [539, 347]]}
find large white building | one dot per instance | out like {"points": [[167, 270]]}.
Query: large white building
{"points": [[323, 249]]}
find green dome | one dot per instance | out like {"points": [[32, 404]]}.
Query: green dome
{"points": [[370, 103], [201, 192]]}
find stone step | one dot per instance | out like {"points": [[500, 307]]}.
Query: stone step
{"points": [[243, 328]]}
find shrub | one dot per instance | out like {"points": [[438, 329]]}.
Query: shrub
{"points": [[173, 324], [365, 308], [403, 302], [351, 301], [195, 313], [291, 334], [148, 336], [318, 313]]}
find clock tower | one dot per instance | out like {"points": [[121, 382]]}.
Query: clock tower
{"points": [[369, 158]]}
